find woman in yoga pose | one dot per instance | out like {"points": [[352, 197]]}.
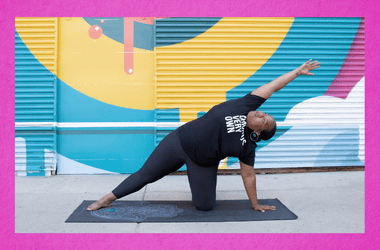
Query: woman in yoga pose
{"points": [[231, 128]]}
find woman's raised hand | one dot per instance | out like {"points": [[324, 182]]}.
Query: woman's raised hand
{"points": [[305, 68]]}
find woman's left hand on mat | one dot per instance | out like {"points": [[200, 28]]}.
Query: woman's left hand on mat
{"points": [[262, 208]]}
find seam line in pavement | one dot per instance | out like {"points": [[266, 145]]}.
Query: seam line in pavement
{"points": [[146, 187], [143, 198], [137, 227]]}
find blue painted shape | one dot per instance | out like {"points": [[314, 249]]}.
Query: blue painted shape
{"points": [[111, 210], [143, 36], [113, 27], [167, 115], [32, 75], [232, 161], [169, 31], [294, 51], [41, 173], [344, 157], [200, 114]]}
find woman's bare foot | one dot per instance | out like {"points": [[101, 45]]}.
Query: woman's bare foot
{"points": [[103, 202]]}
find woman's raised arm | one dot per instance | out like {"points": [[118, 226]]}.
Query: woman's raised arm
{"points": [[268, 89]]}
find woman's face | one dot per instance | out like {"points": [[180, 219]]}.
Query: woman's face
{"points": [[259, 121]]}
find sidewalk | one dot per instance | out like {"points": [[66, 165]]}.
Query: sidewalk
{"points": [[331, 202]]}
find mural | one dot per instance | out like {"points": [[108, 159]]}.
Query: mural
{"points": [[106, 92]]}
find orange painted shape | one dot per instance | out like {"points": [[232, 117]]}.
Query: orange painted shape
{"points": [[95, 32]]}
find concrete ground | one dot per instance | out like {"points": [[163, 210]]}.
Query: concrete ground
{"points": [[331, 202]]}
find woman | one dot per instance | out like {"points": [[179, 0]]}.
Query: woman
{"points": [[231, 128]]}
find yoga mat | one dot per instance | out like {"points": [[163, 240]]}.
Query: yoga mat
{"points": [[180, 211]]}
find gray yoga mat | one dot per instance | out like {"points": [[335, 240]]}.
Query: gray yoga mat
{"points": [[180, 211]]}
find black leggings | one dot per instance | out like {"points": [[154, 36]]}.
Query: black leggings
{"points": [[167, 158]]}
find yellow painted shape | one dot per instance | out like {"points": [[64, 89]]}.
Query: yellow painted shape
{"points": [[95, 67], [254, 44]]}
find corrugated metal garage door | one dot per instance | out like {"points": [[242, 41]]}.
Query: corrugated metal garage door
{"points": [[35, 95], [201, 62]]}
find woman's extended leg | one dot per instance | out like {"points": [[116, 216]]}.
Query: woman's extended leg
{"points": [[202, 182], [165, 159]]}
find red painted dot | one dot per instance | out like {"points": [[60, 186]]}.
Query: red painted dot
{"points": [[95, 32]]}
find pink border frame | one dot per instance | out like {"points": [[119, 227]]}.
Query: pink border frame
{"points": [[156, 8]]}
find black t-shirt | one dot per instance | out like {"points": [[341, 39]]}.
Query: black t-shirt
{"points": [[221, 132]]}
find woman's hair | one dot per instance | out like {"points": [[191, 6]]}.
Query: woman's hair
{"points": [[266, 135]]}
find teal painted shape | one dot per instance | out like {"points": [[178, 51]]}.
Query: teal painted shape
{"points": [[173, 30], [143, 36], [40, 173], [299, 45], [118, 152], [34, 87], [200, 114]]}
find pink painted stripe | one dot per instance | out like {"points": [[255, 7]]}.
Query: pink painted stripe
{"points": [[351, 71], [128, 44], [129, 38]]}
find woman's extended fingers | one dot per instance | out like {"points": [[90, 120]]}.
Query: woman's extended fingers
{"points": [[315, 63], [312, 63], [265, 207], [310, 66]]}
